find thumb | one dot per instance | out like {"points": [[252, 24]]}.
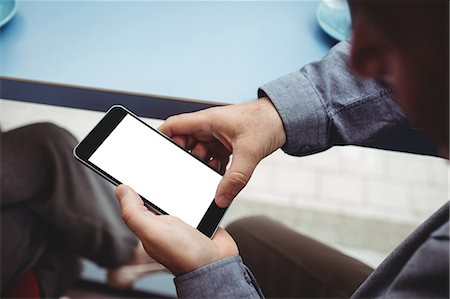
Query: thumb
{"points": [[137, 217], [235, 178]]}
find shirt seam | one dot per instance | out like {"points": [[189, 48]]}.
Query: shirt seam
{"points": [[327, 115], [376, 96]]}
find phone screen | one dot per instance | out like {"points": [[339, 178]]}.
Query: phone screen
{"points": [[158, 170]]}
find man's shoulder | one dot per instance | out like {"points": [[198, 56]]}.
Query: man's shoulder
{"points": [[418, 268]]}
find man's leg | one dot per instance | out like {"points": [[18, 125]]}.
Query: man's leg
{"points": [[74, 208], [57, 270], [22, 243], [287, 264]]}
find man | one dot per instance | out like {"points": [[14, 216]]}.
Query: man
{"points": [[400, 44]]}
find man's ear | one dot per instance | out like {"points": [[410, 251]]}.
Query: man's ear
{"points": [[370, 49]]}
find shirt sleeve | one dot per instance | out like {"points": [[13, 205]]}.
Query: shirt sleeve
{"points": [[326, 104], [226, 278]]}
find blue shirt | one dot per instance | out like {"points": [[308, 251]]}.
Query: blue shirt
{"points": [[322, 105]]}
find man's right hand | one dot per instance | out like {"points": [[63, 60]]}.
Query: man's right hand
{"points": [[249, 132]]}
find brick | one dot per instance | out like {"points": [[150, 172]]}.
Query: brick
{"points": [[403, 166], [366, 162], [330, 160], [293, 182], [387, 194], [438, 171], [424, 200], [262, 177], [341, 187]]}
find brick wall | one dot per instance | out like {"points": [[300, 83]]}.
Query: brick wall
{"points": [[355, 181]]}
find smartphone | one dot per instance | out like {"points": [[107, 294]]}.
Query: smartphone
{"points": [[125, 150]]}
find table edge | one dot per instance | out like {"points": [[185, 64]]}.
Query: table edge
{"points": [[98, 99]]}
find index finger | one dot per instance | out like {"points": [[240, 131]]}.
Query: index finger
{"points": [[195, 123]]}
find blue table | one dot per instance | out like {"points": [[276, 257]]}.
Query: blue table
{"points": [[212, 52]]}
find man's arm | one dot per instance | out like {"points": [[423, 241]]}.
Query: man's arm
{"points": [[325, 104], [227, 278]]}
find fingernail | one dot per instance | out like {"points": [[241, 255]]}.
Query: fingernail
{"points": [[121, 191], [225, 200]]}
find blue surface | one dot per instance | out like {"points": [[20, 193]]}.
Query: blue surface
{"points": [[8, 8], [213, 51]]}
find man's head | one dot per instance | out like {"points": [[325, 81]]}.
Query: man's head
{"points": [[407, 44]]}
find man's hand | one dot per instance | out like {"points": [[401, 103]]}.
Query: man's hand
{"points": [[176, 245], [249, 132]]}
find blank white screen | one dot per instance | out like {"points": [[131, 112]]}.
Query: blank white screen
{"points": [[158, 170]]}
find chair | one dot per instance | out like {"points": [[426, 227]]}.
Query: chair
{"points": [[26, 286]]}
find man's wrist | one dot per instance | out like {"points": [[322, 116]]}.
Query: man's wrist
{"points": [[274, 116]]}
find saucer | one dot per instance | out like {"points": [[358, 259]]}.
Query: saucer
{"points": [[7, 10], [336, 22]]}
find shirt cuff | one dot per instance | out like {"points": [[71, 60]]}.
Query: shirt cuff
{"points": [[302, 113], [226, 278]]}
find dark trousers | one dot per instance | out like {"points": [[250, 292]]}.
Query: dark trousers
{"points": [[53, 210], [287, 264]]}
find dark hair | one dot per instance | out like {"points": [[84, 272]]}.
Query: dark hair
{"points": [[406, 20]]}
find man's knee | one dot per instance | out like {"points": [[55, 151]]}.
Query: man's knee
{"points": [[45, 133], [50, 130], [244, 227]]}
